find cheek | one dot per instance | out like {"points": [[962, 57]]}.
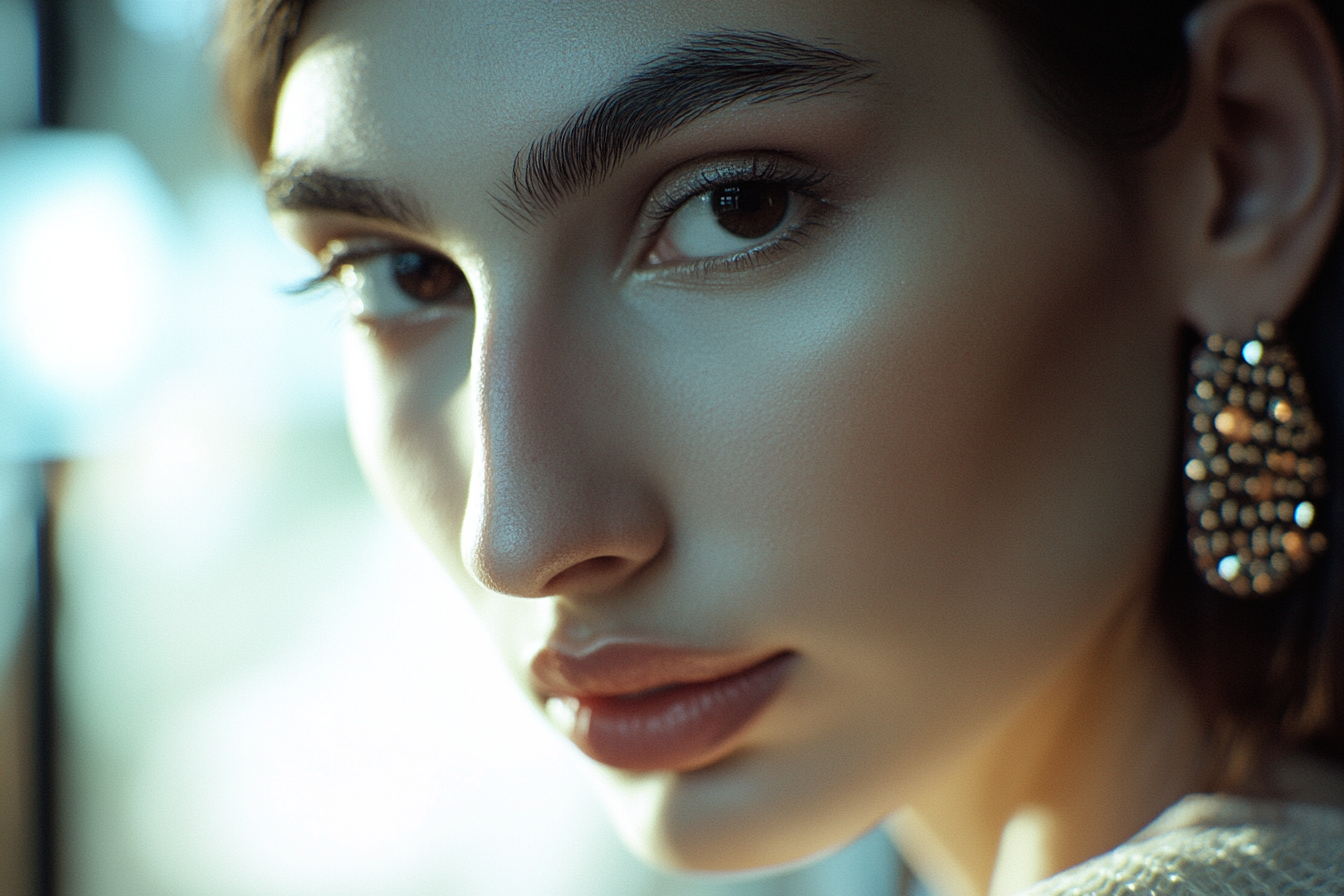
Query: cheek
{"points": [[938, 471], [408, 407], [950, 482]]}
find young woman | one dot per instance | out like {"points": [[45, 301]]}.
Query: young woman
{"points": [[844, 411]]}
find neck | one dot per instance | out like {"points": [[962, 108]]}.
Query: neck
{"points": [[1111, 739]]}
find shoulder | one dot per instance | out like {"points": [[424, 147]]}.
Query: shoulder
{"points": [[1219, 846]]}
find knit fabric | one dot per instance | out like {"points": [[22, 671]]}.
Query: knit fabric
{"points": [[1218, 846]]}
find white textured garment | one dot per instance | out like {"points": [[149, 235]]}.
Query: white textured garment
{"points": [[1218, 846]]}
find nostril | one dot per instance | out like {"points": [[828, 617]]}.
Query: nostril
{"points": [[588, 573], [532, 534]]}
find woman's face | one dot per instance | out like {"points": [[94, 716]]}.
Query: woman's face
{"points": [[813, 364]]}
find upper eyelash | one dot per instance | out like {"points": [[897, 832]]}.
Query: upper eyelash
{"points": [[765, 170], [332, 266], [762, 170]]}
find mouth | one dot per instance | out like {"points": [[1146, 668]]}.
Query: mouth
{"points": [[643, 707]]}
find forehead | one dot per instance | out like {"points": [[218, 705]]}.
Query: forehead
{"points": [[407, 74], [447, 102]]}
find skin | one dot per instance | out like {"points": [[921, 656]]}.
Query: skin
{"points": [[927, 445]]}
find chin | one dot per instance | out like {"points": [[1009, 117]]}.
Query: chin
{"points": [[737, 816]]}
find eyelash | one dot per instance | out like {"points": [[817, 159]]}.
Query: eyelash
{"points": [[762, 170], [331, 269], [801, 182]]}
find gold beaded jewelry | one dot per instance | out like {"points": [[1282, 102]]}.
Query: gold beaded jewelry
{"points": [[1253, 471]]}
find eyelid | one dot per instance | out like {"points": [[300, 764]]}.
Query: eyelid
{"points": [[695, 178], [682, 186], [340, 253]]}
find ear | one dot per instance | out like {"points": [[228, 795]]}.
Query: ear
{"points": [[1259, 154]]}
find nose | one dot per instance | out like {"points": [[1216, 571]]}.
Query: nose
{"points": [[555, 504]]}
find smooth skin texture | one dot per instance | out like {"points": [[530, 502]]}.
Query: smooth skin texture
{"points": [[925, 440]]}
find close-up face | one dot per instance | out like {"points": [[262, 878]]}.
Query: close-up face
{"points": [[791, 434]]}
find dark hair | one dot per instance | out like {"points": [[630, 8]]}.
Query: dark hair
{"points": [[254, 37], [1111, 75]]}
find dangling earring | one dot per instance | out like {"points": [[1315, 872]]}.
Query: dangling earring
{"points": [[1253, 476]]}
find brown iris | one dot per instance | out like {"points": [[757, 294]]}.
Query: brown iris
{"points": [[425, 277], [750, 210]]}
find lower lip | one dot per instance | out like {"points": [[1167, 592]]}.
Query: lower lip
{"points": [[679, 728]]}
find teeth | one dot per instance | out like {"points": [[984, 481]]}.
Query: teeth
{"points": [[564, 713]]}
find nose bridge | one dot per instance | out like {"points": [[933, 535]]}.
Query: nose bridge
{"points": [[543, 512], [519, 394]]}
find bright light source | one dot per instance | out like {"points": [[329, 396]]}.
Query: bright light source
{"points": [[84, 232], [86, 265]]}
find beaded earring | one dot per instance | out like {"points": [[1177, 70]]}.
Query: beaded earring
{"points": [[1253, 474]]}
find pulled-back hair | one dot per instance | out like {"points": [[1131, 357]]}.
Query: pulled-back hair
{"points": [[1112, 76], [1269, 673], [255, 37]]}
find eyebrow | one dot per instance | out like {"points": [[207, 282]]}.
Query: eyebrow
{"points": [[300, 187], [703, 75]]}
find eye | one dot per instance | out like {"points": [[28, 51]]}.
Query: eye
{"points": [[424, 277], [406, 286], [733, 213], [725, 220]]}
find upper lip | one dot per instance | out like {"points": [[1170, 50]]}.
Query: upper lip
{"points": [[626, 668]]}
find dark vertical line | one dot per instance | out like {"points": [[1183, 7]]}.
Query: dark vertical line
{"points": [[45, 757], [905, 880], [53, 72], [52, 62]]}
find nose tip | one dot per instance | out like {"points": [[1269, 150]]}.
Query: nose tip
{"points": [[535, 546]]}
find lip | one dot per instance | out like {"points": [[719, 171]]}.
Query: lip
{"points": [[647, 707]]}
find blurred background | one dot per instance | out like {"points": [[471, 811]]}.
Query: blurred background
{"points": [[228, 670]]}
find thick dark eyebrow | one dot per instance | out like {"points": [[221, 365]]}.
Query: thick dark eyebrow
{"points": [[299, 187], [701, 76]]}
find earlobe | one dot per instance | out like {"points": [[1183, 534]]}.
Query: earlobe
{"points": [[1266, 107]]}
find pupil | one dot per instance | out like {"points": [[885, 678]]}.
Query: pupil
{"points": [[750, 211], [424, 277]]}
